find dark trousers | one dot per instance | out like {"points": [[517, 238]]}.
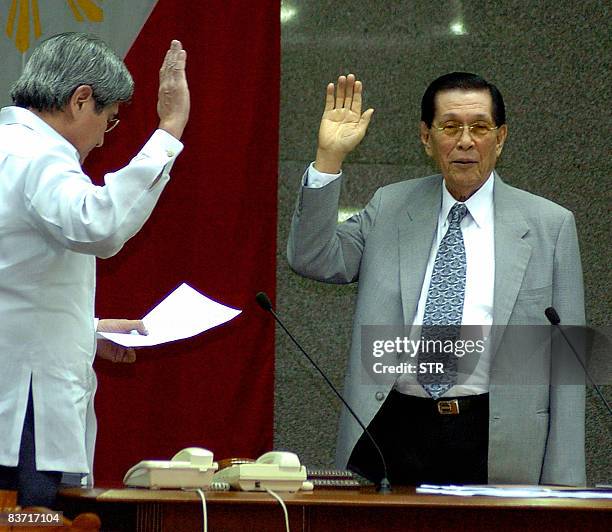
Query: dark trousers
{"points": [[423, 446], [34, 488]]}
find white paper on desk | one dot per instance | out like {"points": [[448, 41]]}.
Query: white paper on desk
{"points": [[515, 491], [182, 314]]}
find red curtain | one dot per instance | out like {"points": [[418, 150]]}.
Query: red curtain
{"points": [[214, 228]]}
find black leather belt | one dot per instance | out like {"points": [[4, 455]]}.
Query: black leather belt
{"points": [[450, 406]]}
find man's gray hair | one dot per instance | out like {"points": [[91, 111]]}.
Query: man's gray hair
{"points": [[65, 61]]}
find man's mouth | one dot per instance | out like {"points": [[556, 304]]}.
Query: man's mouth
{"points": [[464, 163]]}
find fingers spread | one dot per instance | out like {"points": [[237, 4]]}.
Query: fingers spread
{"points": [[329, 97], [340, 91], [348, 94], [356, 103], [350, 85], [366, 117]]}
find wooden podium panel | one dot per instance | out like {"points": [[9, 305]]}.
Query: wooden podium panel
{"points": [[364, 510]]}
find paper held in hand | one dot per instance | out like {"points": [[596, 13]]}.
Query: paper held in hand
{"points": [[182, 314]]}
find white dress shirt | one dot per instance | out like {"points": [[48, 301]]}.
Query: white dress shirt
{"points": [[478, 234], [53, 224]]}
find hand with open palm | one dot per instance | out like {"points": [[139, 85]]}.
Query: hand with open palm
{"points": [[173, 102], [343, 126]]}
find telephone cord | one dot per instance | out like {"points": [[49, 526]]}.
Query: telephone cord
{"points": [[204, 513], [283, 506]]}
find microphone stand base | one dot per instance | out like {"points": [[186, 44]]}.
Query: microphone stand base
{"points": [[384, 487]]}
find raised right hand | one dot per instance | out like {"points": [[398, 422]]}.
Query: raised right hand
{"points": [[173, 95], [343, 126]]}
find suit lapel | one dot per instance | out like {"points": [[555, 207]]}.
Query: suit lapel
{"points": [[416, 231], [512, 255]]}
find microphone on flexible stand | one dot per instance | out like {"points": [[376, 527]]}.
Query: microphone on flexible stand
{"points": [[264, 302], [555, 320]]}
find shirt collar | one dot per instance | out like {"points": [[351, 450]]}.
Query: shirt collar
{"points": [[19, 115], [479, 204]]}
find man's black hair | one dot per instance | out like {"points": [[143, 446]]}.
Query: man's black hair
{"points": [[463, 81]]}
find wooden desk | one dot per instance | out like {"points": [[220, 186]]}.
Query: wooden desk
{"points": [[332, 510]]}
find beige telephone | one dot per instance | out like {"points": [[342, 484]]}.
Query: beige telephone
{"points": [[277, 471], [190, 468]]}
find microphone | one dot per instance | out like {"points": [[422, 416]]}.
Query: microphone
{"points": [[552, 316], [555, 320], [264, 302]]}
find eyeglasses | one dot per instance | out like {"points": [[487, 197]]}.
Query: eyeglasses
{"points": [[111, 124], [477, 130]]}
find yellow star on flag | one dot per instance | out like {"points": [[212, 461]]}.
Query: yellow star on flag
{"points": [[25, 13]]}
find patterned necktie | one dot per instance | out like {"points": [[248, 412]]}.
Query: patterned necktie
{"points": [[444, 307]]}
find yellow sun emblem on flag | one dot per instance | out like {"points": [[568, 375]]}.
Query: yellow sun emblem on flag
{"points": [[24, 12]]}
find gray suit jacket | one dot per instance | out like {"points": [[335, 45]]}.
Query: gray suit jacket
{"points": [[536, 429]]}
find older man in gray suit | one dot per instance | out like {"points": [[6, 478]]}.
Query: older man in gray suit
{"points": [[456, 249]]}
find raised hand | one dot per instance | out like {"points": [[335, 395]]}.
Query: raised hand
{"points": [[173, 96], [343, 126]]}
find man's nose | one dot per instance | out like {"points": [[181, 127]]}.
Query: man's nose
{"points": [[465, 140]]}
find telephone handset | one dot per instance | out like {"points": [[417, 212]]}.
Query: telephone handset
{"points": [[276, 470], [283, 459], [189, 468]]}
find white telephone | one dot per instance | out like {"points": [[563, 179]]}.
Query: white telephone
{"points": [[190, 468], [278, 471]]}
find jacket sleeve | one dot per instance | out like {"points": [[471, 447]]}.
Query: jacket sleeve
{"points": [[319, 247], [97, 220]]}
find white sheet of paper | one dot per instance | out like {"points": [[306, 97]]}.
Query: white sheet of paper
{"points": [[515, 491], [182, 314]]}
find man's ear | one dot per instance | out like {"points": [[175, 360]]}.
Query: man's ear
{"points": [[426, 138], [502, 133], [79, 99]]}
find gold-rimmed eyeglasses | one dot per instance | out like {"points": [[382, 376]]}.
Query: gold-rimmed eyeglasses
{"points": [[111, 124], [477, 130]]}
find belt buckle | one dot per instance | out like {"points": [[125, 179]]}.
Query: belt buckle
{"points": [[450, 407]]}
